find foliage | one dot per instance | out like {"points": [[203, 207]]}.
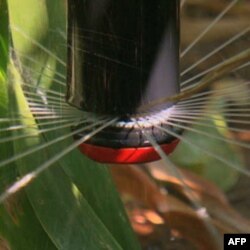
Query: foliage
{"points": [[74, 204]]}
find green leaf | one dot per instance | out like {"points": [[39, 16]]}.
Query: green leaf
{"points": [[198, 161], [18, 225], [28, 18], [94, 182], [6, 175], [4, 40], [67, 218]]}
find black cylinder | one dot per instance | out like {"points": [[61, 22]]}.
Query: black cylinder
{"points": [[122, 54]]}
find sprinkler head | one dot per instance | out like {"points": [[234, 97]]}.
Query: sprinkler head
{"points": [[123, 55]]}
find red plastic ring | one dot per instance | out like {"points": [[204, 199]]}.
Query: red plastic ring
{"points": [[125, 155]]}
